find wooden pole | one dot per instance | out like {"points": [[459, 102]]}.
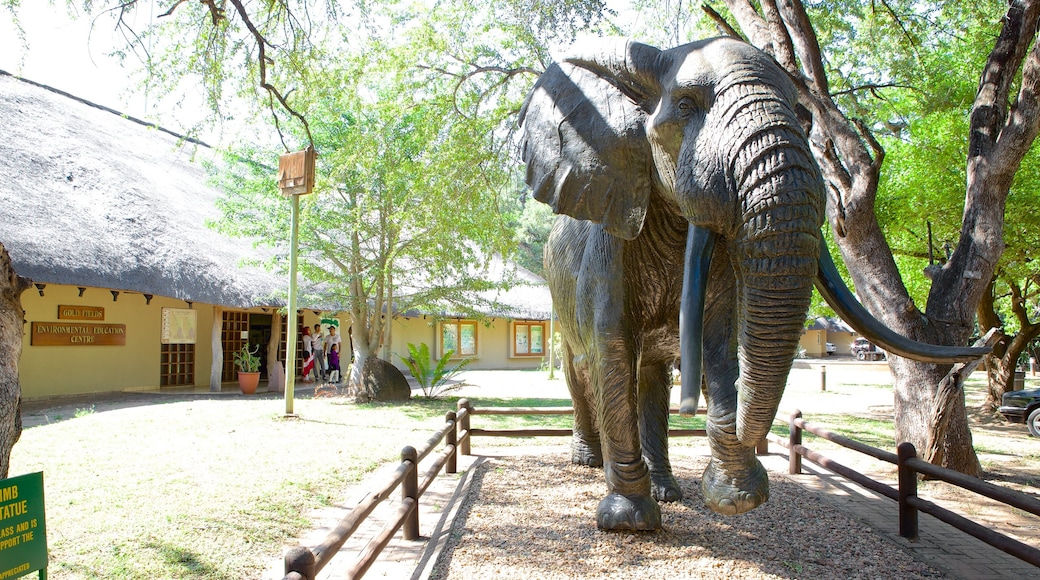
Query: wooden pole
{"points": [[290, 332], [216, 370]]}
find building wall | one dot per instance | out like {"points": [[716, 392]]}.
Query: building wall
{"points": [[493, 343], [814, 342], [65, 370], [46, 371], [68, 370]]}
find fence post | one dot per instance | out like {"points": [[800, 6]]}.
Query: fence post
{"points": [[907, 489], [410, 489], [450, 441], [763, 447], [794, 466], [300, 559], [823, 377], [464, 426]]}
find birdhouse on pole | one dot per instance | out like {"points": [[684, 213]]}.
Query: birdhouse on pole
{"points": [[296, 172]]}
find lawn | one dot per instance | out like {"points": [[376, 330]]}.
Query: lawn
{"points": [[212, 488]]}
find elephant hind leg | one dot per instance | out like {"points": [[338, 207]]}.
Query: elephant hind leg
{"points": [[585, 444], [654, 394]]}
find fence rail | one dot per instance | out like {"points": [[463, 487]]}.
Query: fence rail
{"points": [[302, 563], [905, 494]]}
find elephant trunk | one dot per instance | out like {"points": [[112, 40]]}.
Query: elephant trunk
{"points": [[775, 253], [773, 241]]}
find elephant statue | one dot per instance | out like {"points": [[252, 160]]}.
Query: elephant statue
{"points": [[691, 156]]}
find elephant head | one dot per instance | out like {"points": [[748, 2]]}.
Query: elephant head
{"points": [[709, 130]]}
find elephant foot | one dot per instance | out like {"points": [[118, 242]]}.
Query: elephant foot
{"points": [[665, 487], [618, 512], [735, 487], [585, 452]]}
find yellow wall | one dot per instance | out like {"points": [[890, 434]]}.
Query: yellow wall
{"points": [[814, 342], [64, 370], [493, 343]]}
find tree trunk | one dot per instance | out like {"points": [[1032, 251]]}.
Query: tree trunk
{"points": [[12, 323], [851, 158], [275, 370], [362, 351]]}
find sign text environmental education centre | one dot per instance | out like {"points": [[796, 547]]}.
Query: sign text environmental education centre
{"points": [[77, 334]]}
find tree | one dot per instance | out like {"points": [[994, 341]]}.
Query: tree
{"points": [[11, 329], [402, 217], [1001, 131]]}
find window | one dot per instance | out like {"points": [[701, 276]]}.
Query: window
{"points": [[529, 339], [459, 336]]}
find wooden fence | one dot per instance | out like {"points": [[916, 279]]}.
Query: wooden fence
{"points": [[302, 563], [905, 494]]}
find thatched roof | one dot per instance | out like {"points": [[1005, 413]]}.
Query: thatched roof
{"points": [[829, 324], [527, 299], [91, 198]]}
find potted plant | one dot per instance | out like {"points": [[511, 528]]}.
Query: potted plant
{"points": [[248, 364]]}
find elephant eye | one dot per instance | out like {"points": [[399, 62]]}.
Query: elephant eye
{"points": [[686, 106]]}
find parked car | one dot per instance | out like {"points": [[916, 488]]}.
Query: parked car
{"points": [[863, 349], [1022, 407], [831, 349]]}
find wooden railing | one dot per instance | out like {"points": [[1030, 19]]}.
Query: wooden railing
{"points": [[905, 494], [302, 563]]}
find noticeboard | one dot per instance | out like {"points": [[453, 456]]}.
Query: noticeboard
{"points": [[179, 326], [23, 531]]}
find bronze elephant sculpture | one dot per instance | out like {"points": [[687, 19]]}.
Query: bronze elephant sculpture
{"points": [[691, 209]]}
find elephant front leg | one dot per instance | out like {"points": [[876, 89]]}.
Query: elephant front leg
{"points": [[629, 504], [654, 393], [735, 480]]}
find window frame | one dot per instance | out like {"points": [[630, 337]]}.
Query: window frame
{"points": [[458, 324], [527, 324]]}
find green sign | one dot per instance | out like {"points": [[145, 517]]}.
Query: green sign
{"points": [[23, 534]]}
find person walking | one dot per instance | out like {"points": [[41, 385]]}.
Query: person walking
{"points": [[334, 373], [308, 355], [332, 341], [319, 353]]}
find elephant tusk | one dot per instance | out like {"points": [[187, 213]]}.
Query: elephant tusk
{"points": [[699, 245], [837, 294]]}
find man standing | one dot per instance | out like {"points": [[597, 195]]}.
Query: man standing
{"points": [[332, 339], [317, 341]]}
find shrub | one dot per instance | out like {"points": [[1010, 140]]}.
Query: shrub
{"points": [[434, 380]]}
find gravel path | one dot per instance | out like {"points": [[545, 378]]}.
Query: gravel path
{"points": [[533, 516]]}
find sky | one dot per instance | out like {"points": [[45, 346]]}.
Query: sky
{"points": [[72, 55], [63, 53]]}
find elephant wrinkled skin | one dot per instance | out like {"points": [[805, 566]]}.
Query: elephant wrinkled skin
{"points": [[690, 223]]}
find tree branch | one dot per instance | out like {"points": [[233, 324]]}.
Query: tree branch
{"points": [[782, 44], [806, 44], [263, 60], [723, 26]]}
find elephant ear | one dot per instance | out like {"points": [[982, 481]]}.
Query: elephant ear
{"points": [[585, 146]]}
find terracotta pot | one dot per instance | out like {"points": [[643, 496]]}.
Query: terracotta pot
{"points": [[248, 382]]}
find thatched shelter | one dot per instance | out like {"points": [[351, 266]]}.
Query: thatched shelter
{"points": [[108, 214], [92, 198]]}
